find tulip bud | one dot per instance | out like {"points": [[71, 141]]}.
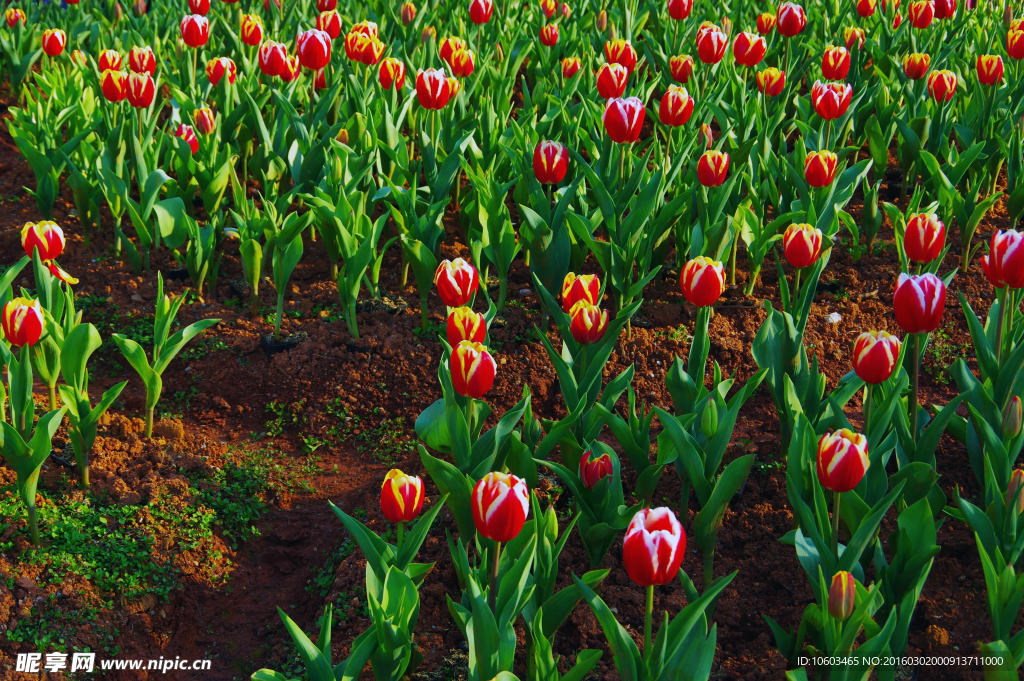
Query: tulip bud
{"points": [[45, 236], [915, 65], [473, 369], [251, 29], [456, 281], [801, 244], [392, 73], [465, 325], [550, 162], [480, 11], [711, 45], [654, 547], [576, 288], [314, 49], [841, 595], [401, 496], [748, 49], [549, 35], [139, 8], [835, 63], [820, 168], [53, 42], [611, 80], [1004, 264], [22, 322], [602, 21], [771, 81], [205, 120], [570, 67], [707, 135], [924, 238], [831, 100], [109, 60], [702, 281], [1015, 491], [500, 506], [921, 14], [118, 12], [142, 60], [942, 85], [1012, 418], [990, 69], [842, 460], [1015, 44], [342, 136], [499, 53], [919, 301], [623, 119], [14, 16], [462, 63], [682, 68], [875, 354], [186, 133], [766, 23], [433, 90], [676, 106], [679, 9], [592, 471], [428, 34], [713, 168], [1007, 14], [141, 90], [195, 30], [791, 18], [620, 52], [408, 13], [587, 322], [547, 7], [709, 419], [853, 36], [217, 69]]}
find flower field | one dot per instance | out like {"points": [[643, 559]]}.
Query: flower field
{"points": [[497, 341]]}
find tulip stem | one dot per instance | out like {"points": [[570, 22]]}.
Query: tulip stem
{"points": [[915, 385], [492, 597], [53, 396], [835, 524], [33, 524], [1002, 297], [470, 412], [401, 535], [796, 288], [648, 616], [867, 409]]}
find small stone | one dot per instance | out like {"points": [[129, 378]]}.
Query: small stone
{"points": [[834, 318], [26, 583], [137, 298]]}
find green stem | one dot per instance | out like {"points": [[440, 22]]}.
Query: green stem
{"points": [[149, 422], [33, 524], [835, 525], [84, 471], [353, 328], [502, 291], [915, 385], [867, 409], [401, 535], [470, 412], [277, 317], [53, 396], [648, 617], [492, 597], [1002, 296], [796, 288]]}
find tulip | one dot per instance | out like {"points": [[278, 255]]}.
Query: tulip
{"points": [[924, 238], [835, 63], [592, 470], [702, 281], [462, 63], [114, 85], [330, 23], [915, 65], [370, 51], [771, 81], [676, 106], [433, 89], [550, 162], [921, 14], [820, 168], [875, 354], [199, 7], [109, 60], [428, 34], [142, 60], [885, 6], [853, 36], [587, 322], [1015, 490], [576, 288], [195, 30], [749, 49], [707, 135], [13, 16], [54, 41], [392, 73], [367, 28], [23, 322], [841, 595], [791, 18], [454, 86], [457, 281], [1004, 264], [831, 100], [681, 67], [272, 58], [500, 506], [326, 5], [990, 69], [842, 460], [450, 46], [205, 120], [919, 301], [480, 11], [945, 9], [548, 7], [79, 59], [897, 20], [611, 80], [680, 9], [401, 496], [465, 325], [141, 90], [570, 67], [290, 69], [408, 13], [713, 168], [266, 5], [766, 23], [56, 271], [602, 20], [866, 8], [654, 547], [549, 35], [314, 49], [186, 133], [711, 46], [45, 236], [217, 68], [620, 52], [623, 119], [1015, 44], [942, 85], [801, 244]]}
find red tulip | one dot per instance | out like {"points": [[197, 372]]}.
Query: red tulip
{"points": [[713, 168], [676, 106], [45, 236], [457, 281], [842, 595], [199, 7], [23, 322], [924, 238], [842, 460], [205, 120], [272, 58], [367, 28], [771, 81], [945, 9], [921, 14], [54, 41], [801, 244], [831, 100], [465, 325], [408, 13], [611, 80], [1015, 44], [680, 9], [875, 354], [217, 69], [585, 287], [141, 90], [749, 49], [79, 59], [142, 60], [915, 65], [702, 281], [195, 30], [462, 63], [866, 8], [1004, 263], [500, 506], [791, 18], [450, 46], [682, 68], [326, 5], [711, 45], [109, 60], [570, 67], [186, 133], [919, 301], [835, 63], [820, 168], [114, 85], [433, 89], [314, 49], [766, 23], [548, 7], [897, 20], [587, 322], [550, 162], [330, 23], [13, 16], [480, 11], [990, 69], [401, 496], [1014, 494], [623, 119], [320, 83], [392, 73], [290, 69], [853, 36], [620, 52], [593, 471], [942, 85], [654, 547], [549, 35]]}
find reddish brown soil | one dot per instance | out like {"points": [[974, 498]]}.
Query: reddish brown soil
{"points": [[390, 372]]}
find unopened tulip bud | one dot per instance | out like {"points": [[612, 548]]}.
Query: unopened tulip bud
{"points": [[587, 322], [205, 120], [401, 496], [1012, 419], [139, 7], [429, 33], [841, 595], [702, 281], [874, 356], [456, 282], [45, 236], [709, 419], [842, 460], [473, 369], [23, 322], [408, 13], [1015, 492], [576, 288], [592, 471], [654, 547], [464, 324], [602, 20], [342, 136]]}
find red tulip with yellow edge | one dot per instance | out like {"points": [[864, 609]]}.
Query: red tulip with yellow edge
{"points": [[711, 45], [109, 60], [205, 120], [195, 30], [942, 85], [587, 322], [366, 27], [401, 496], [874, 357], [835, 63], [842, 460], [217, 69], [771, 81], [702, 281], [676, 106], [290, 69], [594, 470], [45, 236], [945, 9], [748, 49], [462, 63], [58, 272], [820, 168], [450, 46], [456, 280], [142, 60], [433, 89], [14, 16], [620, 52], [392, 73], [766, 23], [465, 325], [548, 7], [549, 35], [921, 14], [713, 168], [990, 69], [924, 237], [78, 58], [473, 369], [611, 80], [141, 90], [585, 287], [831, 100], [251, 30], [408, 13], [915, 65], [114, 85], [186, 133], [330, 23], [1015, 490], [550, 162], [801, 244], [54, 41], [791, 18], [23, 322], [680, 9], [853, 36], [841, 595], [570, 67], [681, 68], [1015, 44], [623, 119], [500, 506], [315, 49]]}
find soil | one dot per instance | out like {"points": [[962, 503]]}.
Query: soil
{"points": [[228, 611]]}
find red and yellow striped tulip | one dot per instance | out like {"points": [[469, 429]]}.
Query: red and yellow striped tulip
{"points": [[875, 354], [392, 73], [771, 81], [766, 23], [820, 168], [570, 67], [841, 595], [713, 168], [114, 85], [681, 67], [842, 460], [330, 23], [465, 325], [702, 281], [550, 162], [942, 85], [23, 322], [918, 302], [251, 30], [915, 65], [142, 60], [141, 90], [456, 281], [990, 69], [620, 52], [433, 89], [592, 470], [835, 63], [587, 323], [575, 288], [45, 236], [801, 244], [401, 496], [462, 63], [924, 238], [54, 41], [676, 106], [500, 506], [205, 120], [611, 80]]}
